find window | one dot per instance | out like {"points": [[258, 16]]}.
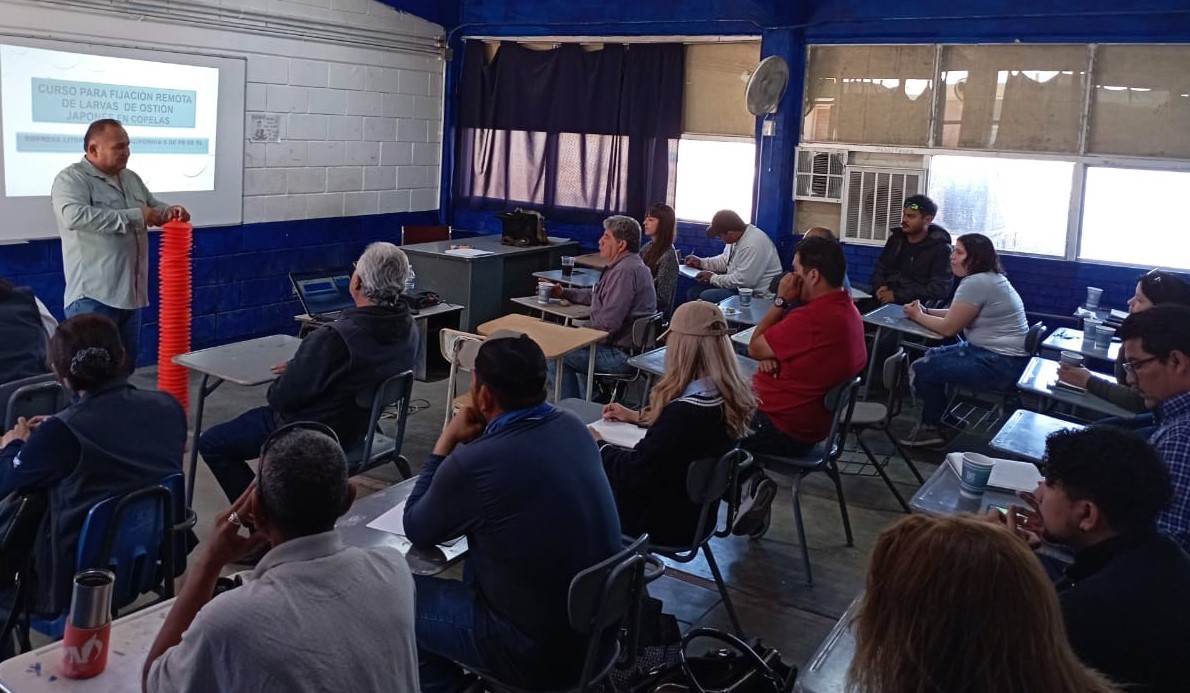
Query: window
{"points": [[1141, 101], [714, 175], [1135, 216], [1021, 204]]}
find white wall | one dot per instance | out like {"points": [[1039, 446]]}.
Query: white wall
{"points": [[357, 86]]}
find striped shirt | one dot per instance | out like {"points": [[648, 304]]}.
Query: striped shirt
{"points": [[1172, 441]]}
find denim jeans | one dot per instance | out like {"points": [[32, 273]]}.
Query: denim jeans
{"points": [[700, 292], [455, 629], [127, 321], [608, 359], [226, 448], [962, 365]]}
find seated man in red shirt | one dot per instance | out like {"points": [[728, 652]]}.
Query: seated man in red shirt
{"points": [[803, 353]]}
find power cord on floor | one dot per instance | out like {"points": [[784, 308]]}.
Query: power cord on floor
{"points": [[415, 405]]}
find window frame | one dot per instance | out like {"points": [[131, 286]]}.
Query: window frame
{"points": [[1082, 160]]}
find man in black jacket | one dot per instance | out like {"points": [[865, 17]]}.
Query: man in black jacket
{"points": [[1126, 597], [367, 344], [915, 263]]}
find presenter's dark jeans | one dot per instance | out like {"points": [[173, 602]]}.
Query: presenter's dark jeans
{"points": [[226, 448], [455, 630], [127, 321]]}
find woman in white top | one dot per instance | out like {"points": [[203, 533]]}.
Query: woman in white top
{"points": [[992, 353]]}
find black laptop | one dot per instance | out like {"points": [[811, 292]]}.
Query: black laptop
{"points": [[323, 293]]}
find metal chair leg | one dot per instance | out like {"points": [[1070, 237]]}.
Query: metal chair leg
{"points": [[880, 470], [735, 620], [402, 466], [833, 472], [905, 456], [801, 529]]}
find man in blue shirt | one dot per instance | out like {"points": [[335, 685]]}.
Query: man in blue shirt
{"points": [[524, 482], [1157, 361]]}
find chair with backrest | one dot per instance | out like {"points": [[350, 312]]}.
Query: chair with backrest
{"points": [[602, 600], [376, 447], [840, 401], [708, 481], [33, 396], [645, 329], [22, 515], [424, 234], [972, 409], [450, 342], [874, 416], [141, 537]]}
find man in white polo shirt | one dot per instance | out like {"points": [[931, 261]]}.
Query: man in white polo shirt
{"points": [[749, 260]]}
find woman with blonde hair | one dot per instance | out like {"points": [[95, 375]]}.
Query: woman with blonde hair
{"points": [[960, 605], [699, 409]]}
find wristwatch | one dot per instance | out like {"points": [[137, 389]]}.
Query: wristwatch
{"points": [[779, 302]]}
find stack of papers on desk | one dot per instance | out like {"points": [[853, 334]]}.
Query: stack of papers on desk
{"points": [[467, 252], [1010, 475], [393, 522], [619, 433]]}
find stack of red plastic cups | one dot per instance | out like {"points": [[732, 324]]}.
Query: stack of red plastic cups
{"points": [[174, 311]]}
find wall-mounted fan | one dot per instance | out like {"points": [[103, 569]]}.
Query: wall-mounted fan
{"points": [[767, 85]]}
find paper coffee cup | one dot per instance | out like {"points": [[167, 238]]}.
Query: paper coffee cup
{"points": [[973, 480], [1072, 358]]}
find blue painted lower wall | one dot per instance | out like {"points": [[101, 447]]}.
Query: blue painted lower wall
{"points": [[240, 273]]}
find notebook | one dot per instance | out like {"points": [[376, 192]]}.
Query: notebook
{"points": [[619, 433], [1011, 475], [323, 293]]}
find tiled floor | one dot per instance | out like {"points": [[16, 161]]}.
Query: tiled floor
{"points": [[765, 577]]}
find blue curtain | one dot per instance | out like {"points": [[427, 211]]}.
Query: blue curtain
{"points": [[575, 134]]}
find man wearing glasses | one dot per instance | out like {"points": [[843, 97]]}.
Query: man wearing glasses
{"points": [[1157, 361], [915, 262]]}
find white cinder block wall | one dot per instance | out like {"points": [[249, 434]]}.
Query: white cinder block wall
{"points": [[356, 85]]}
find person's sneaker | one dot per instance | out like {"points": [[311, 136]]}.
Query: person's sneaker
{"points": [[756, 505], [923, 436]]}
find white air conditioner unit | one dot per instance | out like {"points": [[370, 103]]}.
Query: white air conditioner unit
{"points": [[873, 199], [819, 174]]}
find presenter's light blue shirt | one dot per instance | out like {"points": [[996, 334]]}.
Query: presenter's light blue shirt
{"points": [[105, 245]]}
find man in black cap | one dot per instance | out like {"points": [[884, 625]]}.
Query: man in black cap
{"points": [[524, 482], [748, 260]]}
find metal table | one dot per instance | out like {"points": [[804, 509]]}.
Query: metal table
{"points": [[578, 279], [1040, 377], [584, 410], [891, 316], [653, 363], [483, 283], [858, 295], [1024, 434], [744, 336], [747, 315], [940, 496], [245, 363], [354, 530], [1067, 339], [826, 671], [574, 311]]}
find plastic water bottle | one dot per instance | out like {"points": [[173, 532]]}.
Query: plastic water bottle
{"points": [[411, 282]]}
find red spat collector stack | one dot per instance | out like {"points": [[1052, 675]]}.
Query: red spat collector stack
{"points": [[174, 311]]}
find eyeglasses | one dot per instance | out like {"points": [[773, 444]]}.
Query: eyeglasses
{"points": [[1130, 367]]}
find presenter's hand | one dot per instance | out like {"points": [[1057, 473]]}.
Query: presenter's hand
{"points": [[177, 213], [152, 218]]}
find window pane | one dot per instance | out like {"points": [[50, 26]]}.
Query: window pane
{"points": [[1136, 217], [869, 94], [714, 175], [1141, 101], [1022, 205], [1014, 98], [713, 100]]}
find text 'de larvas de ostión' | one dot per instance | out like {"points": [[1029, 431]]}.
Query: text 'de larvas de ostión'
{"points": [[59, 101]]}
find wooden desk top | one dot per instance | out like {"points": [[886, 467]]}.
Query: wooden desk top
{"points": [[555, 340], [592, 260], [574, 311]]}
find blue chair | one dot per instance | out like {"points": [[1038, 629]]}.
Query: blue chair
{"points": [[28, 397], [23, 515], [141, 537], [376, 447]]}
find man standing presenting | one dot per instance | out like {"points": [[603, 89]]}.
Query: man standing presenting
{"points": [[104, 212], [749, 260], [915, 262]]}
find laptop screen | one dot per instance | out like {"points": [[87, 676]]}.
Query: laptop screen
{"points": [[324, 291]]}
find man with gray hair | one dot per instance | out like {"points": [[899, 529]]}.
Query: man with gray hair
{"points": [[624, 292], [357, 352], [315, 614]]}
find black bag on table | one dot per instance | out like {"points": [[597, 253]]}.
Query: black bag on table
{"points": [[523, 227], [738, 668]]}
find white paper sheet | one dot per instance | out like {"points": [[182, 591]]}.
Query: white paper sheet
{"points": [[688, 271], [1010, 475], [393, 522], [619, 433], [467, 252]]}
